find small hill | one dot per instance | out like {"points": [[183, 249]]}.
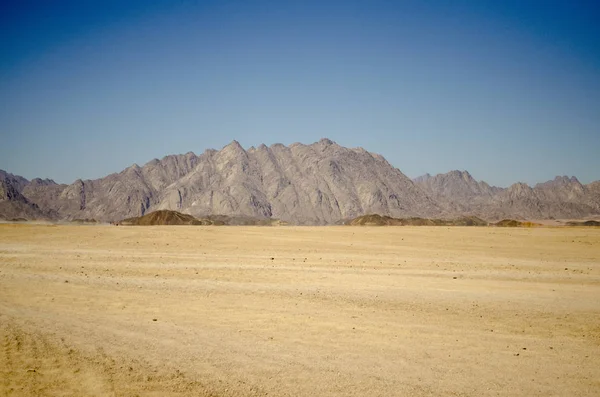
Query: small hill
{"points": [[372, 220], [164, 217], [84, 221], [514, 223], [586, 223], [243, 221], [379, 220]]}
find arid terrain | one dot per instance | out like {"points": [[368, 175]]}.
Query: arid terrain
{"points": [[299, 311]]}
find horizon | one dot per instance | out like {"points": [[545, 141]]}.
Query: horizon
{"points": [[508, 92]]}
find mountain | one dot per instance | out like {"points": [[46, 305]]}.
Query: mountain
{"points": [[320, 183], [13, 205], [304, 184], [458, 192], [563, 197], [15, 181]]}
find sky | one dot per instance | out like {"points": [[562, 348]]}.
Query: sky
{"points": [[508, 90]]}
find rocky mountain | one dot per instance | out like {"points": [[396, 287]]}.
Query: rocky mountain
{"points": [[304, 184], [563, 197], [320, 183], [13, 205]]}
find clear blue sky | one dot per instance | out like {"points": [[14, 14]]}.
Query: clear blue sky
{"points": [[508, 90]]}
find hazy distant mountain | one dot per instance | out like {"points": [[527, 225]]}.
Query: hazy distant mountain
{"points": [[562, 197], [321, 183], [457, 191]]}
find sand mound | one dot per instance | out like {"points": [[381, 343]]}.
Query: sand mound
{"points": [[379, 220], [585, 223], [165, 217], [84, 221], [514, 223]]}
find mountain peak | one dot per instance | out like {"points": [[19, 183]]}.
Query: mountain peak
{"points": [[422, 178], [234, 144], [325, 142]]}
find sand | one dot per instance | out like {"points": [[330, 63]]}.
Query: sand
{"points": [[299, 311]]}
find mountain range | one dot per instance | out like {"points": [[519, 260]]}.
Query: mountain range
{"points": [[320, 183]]}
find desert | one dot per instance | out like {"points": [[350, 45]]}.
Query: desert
{"points": [[100, 310]]}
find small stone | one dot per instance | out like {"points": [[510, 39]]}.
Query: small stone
{"points": [[154, 319]]}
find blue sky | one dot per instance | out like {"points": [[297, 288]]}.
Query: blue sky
{"points": [[508, 90]]}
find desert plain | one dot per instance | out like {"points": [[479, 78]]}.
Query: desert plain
{"points": [[299, 311]]}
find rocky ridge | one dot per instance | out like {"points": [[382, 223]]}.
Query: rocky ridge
{"points": [[320, 183], [562, 197]]}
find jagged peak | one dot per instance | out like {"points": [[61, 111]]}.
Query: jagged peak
{"points": [[519, 186], [280, 147], [234, 145], [461, 174], [326, 142], [422, 178], [563, 180], [155, 161], [133, 167], [233, 151], [40, 181]]}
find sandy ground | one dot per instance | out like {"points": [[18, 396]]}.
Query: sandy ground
{"points": [[299, 311]]}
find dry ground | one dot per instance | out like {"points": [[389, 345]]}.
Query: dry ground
{"points": [[299, 311]]}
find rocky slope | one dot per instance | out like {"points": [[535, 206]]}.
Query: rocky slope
{"points": [[13, 204], [320, 183]]}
